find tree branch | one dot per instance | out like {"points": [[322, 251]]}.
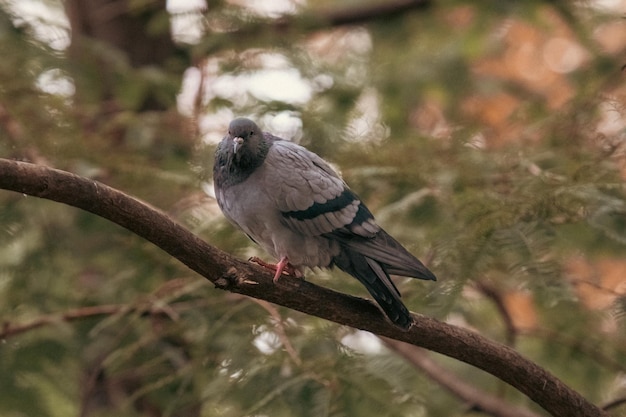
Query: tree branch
{"points": [[266, 30], [162, 307], [9, 329], [231, 274], [367, 13], [478, 399]]}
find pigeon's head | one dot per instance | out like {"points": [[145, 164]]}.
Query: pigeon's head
{"points": [[246, 136]]}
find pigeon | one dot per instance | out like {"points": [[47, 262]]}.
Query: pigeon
{"points": [[290, 201]]}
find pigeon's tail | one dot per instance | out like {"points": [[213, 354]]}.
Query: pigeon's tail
{"points": [[372, 275], [389, 253]]}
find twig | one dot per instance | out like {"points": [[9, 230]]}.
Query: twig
{"points": [[491, 293], [280, 330], [9, 329], [614, 404], [578, 344]]}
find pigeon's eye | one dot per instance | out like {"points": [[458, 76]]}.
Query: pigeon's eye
{"points": [[251, 132]]}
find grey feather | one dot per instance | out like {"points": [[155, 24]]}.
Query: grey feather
{"points": [[293, 204]]}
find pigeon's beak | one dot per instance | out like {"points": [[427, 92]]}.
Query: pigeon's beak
{"points": [[237, 142]]}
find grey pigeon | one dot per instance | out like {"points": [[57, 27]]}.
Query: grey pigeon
{"points": [[293, 204]]}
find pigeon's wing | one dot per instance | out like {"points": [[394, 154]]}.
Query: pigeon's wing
{"points": [[310, 195], [314, 200]]}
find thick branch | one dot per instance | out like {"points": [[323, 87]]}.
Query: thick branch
{"points": [[366, 13], [264, 30], [231, 274]]}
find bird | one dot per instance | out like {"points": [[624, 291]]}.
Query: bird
{"points": [[293, 204]]}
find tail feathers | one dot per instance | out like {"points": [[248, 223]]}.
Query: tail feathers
{"points": [[373, 276], [388, 252]]}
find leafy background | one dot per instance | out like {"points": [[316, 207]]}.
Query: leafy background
{"points": [[488, 137]]}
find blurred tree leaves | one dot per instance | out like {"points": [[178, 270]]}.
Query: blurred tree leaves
{"points": [[488, 137]]}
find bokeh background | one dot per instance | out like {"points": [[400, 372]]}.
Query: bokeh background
{"points": [[489, 137]]}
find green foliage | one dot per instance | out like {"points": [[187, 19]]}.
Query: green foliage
{"points": [[508, 187]]}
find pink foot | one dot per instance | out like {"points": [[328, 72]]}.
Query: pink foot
{"points": [[280, 266], [283, 266]]}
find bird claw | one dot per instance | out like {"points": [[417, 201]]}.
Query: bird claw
{"points": [[282, 267], [261, 262]]}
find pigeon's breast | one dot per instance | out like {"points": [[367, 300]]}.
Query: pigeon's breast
{"points": [[251, 205]]}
